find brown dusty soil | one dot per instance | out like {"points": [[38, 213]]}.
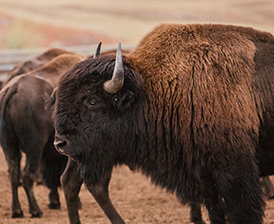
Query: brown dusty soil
{"points": [[36, 23], [135, 198], [137, 201]]}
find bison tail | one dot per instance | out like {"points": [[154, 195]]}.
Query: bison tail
{"points": [[5, 96]]}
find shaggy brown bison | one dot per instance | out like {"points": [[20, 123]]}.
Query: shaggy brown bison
{"points": [[191, 107], [33, 63], [27, 126], [36, 62]]}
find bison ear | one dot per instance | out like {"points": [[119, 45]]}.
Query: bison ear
{"points": [[98, 49]]}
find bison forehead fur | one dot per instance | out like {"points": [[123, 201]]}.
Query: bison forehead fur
{"points": [[191, 108]]}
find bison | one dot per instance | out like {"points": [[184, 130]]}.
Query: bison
{"points": [[33, 63], [27, 126], [36, 62], [191, 107]]}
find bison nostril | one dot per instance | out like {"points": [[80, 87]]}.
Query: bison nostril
{"points": [[59, 144]]}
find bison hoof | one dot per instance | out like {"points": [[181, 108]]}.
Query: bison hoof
{"points": [[54, 205], [36, 214], [17, 214]]}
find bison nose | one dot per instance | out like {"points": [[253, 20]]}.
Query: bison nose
{"points": [[60, 144]]}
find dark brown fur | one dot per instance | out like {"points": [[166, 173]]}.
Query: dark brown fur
{"points": [[195, 115], [27, 126]]}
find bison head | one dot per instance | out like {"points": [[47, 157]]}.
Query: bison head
{"points": [[95, 106]]}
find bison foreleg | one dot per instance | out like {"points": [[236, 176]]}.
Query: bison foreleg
{"points": [[239, 194], [101, 195], [268, 187], [54, 199], [195, 213], [72, 182]]}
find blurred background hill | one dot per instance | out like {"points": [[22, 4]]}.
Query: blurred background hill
{"points": [[57, 23]]}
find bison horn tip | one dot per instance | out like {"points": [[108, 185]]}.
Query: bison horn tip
{"points": [[98, 49], [117, 81]]}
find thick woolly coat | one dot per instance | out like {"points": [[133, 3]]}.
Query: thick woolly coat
{"points": [[195, 113]]}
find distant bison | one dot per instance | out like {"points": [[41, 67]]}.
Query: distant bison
{"points": [[27, 126], [33, 63], [191, 107], [36, 62]]}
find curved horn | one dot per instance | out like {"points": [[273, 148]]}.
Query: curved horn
{"points": [[98, 49], [117, 80]]}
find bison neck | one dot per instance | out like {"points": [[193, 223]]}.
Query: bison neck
{"points": [[153, 145]]}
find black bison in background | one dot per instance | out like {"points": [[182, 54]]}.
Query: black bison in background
{"points": [[27, 126], [191, 107]]}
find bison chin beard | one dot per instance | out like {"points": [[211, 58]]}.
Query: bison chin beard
{"points": [[95, 164], [93, 173]]}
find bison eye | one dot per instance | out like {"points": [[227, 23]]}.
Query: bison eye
{"points": [[93, 103]]}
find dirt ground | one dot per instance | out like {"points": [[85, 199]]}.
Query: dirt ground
{"points": [[135, 198], [37, 23]]}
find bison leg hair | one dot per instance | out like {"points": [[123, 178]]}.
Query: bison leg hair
{"points": [[195, 213], [33, 206], [239, 197], [215, 214], [13, 157], [52, 166], [14, 176], [268, 187], [101, 195], [54, 199], [72, 182], [29, 177]]}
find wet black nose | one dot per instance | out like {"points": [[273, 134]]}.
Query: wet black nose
{"points": [[60, 143]]}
